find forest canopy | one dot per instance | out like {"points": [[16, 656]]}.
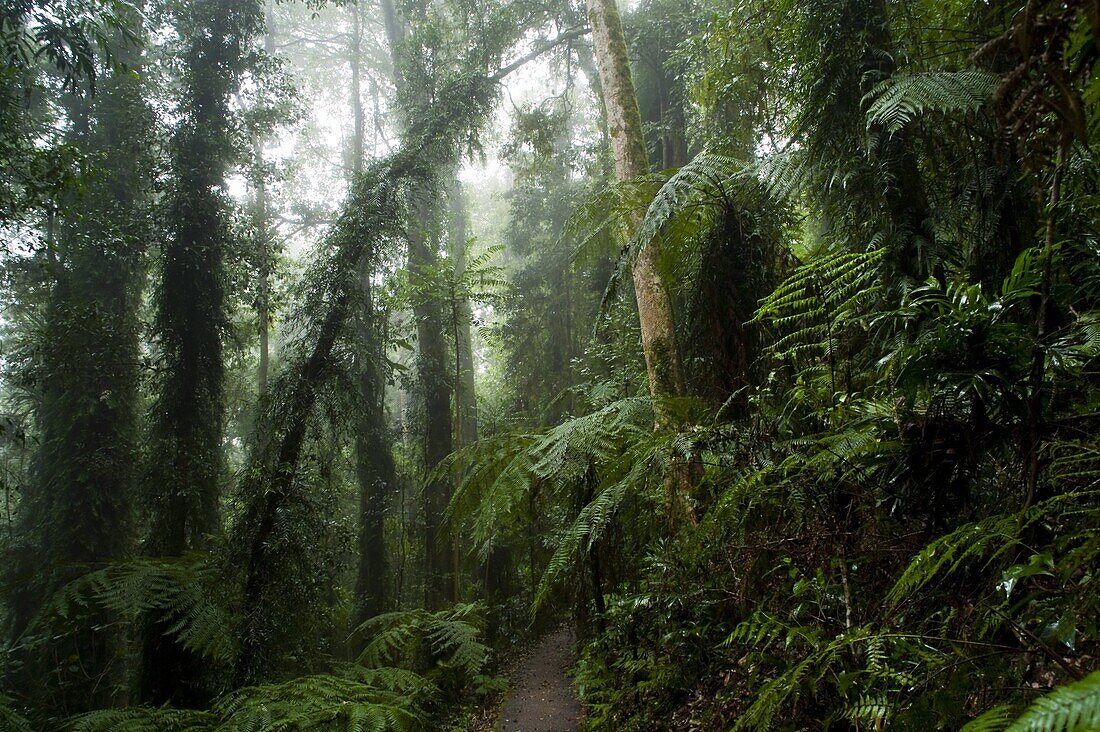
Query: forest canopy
{"points": [[745, 354]]}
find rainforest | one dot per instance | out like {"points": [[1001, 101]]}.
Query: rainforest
{"points": [[549, 365]]}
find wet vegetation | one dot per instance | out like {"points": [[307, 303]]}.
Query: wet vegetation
{"points": [[347, 346]]}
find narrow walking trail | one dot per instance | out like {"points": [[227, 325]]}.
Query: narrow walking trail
{"points": [[543, 698]]}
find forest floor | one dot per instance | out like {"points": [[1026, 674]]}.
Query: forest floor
{"points": [[543, 698]]}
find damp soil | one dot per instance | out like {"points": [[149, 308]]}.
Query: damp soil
{"points": [[542, 698]]}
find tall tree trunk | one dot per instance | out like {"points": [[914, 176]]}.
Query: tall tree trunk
{"points": [[375, 469], [432, 372], [628, 143], [624, 120], [263, 304], [77, 514], [355, 61], [465, 378], [465, 397], [432, 369], [373, 213], [191, 317], [264, 229]]}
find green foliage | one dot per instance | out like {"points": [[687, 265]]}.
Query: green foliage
{"points": [[820, 303], [70, 35], [897, 101], [372, 694], [607, 456], [886, 664], [1071, 708], [994, 720], [687, 202], [383, 700], [603, 223], [988, 539], [185, 593], [145, 720], [451, 638], [10, 718], [675, 210], [378, 701], [898, 517]]}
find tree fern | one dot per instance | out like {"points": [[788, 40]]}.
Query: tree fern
{"points": [[579, 538], [490, 498], [856, 452], [566, 452], [453, 636], [614, 448], [784, 175], [617, 452], [899, 100], [686, 204], [811, 307], [504, 469], [183, 591], [678, 210]]}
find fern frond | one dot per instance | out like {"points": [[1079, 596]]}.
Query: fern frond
{"points": [[689, 200], [872, 711], [11, 719], [822, 296], [566, 452], [585, 531], [784, 175], [323, 702], [1076, 462], [603, 223], [775, 694], [1071, 708], [453, 635], [897, 101], [490, 498], [990, 538], [142, 719], [181, 590], [994, 720]]}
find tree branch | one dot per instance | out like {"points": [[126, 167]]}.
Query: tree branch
{"points": [[539, 49]]}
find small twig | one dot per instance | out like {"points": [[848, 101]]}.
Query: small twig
{"points": [[1049, 652], [847, 591]]}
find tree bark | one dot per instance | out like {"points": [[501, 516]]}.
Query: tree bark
{"points": [[191, 318], [263, 228], [628, 144], [76, 513], [433, 377], [375, 469], [465, 379], [432, 369], [662, 358]]}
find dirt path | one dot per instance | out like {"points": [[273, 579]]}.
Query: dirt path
{"points": [[543, 698]]}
